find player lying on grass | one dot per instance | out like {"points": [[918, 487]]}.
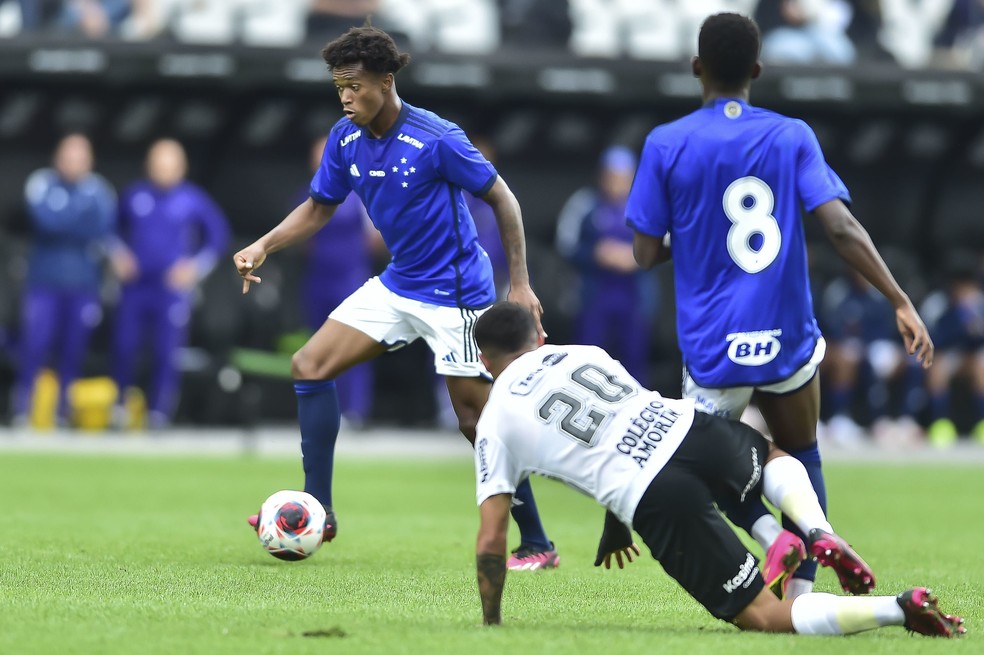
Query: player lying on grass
{"points": [[575, 414]]}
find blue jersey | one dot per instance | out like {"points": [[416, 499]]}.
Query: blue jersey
{"points": [[411, 182], [729, 183]]}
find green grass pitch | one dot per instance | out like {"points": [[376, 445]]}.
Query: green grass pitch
{"points": [[113, 554]]}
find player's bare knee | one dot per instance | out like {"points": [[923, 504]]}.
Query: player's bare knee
{"points": [[305, 366], [766, 614], [754, 619]]}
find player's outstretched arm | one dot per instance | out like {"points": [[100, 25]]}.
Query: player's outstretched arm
{"points": [[509, 219], [854, 244], [490, 555], [649, 250], [306, 219]]}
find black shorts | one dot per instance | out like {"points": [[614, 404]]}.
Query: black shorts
{"points": [[678, 520]]}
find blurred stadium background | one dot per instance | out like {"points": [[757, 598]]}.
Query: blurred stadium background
{"points": [[898, 106]]}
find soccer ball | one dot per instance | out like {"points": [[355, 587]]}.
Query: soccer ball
{"points": [[291, 525]]}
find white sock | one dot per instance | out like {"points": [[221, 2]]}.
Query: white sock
{"points": [[787, 486], [798, 586], [766, 530], [827, 614]]}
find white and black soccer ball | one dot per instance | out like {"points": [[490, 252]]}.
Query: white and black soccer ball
{"points": [[291, 525]]}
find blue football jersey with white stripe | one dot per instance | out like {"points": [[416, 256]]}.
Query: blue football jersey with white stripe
{"points": [[729, 183], [411, 182]]}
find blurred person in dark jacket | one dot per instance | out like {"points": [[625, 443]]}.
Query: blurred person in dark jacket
{"points": [[806, 32], [958, 330], [864, 355], [171, 234], [535, 23], [960, 43], [72, 212]]}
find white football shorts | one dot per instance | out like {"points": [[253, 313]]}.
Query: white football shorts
{"points": [[732, 401], [396, 321]]}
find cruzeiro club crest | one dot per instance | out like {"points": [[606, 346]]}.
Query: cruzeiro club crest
{"points": [[404, 171]]}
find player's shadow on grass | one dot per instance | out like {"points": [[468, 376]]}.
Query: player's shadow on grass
{"points": [[655, 628]]}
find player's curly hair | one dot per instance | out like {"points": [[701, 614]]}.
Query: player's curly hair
{"points": [[728, 47], [505, 328], [370, 46]]}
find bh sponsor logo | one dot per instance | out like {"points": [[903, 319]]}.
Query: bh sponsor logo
{"points": [[754, 348]]}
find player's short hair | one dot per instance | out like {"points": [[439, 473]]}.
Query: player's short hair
{"points": [[505, 328], [728, 47], [370, 46]]}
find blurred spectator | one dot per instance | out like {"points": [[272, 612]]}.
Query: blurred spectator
{"points": [[328, 19], [909, 28], [961, 41], [72, 211], [20, 16], [253, 22], [485, 224], [171, 234], [865, 30], [93, 18], [488, 237], [458, 26], [618, 300], [338, 260], [535, 23], [958, 331], [805, 32], [864, 355]]}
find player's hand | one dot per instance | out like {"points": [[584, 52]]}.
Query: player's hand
{"points": [[124, 264], [182, 275], [629, 553], [915, 335], [247, 261], [616, 539], [523, 295]]}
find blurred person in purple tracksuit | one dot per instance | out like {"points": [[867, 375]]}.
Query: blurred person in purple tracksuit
{"points": [[487, 230], [486, 226], [72, 212], [338, 260], [618, 300], [171, 234]]}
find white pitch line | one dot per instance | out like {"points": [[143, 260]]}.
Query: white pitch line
{"points": [[377, 443]]}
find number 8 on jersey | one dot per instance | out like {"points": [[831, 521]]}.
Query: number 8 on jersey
{"points": [[751, 219]]}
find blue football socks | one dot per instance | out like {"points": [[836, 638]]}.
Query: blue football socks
{"points": [[319, 416], [527, 517]]}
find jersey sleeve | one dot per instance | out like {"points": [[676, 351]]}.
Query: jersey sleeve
{"points": [[816, 181], [330, 184], [496, 470], [648, 207], [460, 163]]}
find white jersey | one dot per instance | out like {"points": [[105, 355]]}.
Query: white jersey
{"points": [[574, 414]]}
